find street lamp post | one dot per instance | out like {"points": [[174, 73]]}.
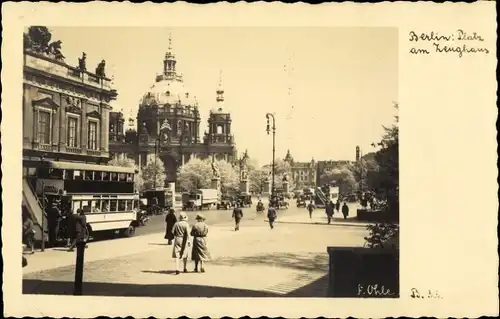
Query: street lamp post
{"points": [[268, 129], [157, 145]]}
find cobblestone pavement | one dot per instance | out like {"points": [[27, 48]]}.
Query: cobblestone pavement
{"points": [[290, 260]]}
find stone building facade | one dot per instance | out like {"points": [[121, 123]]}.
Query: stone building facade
{"points": [[65, 108], [304, 173], [168, 124]]}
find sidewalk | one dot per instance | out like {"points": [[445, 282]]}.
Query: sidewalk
{"points": [[107, 249], [254, 262]]}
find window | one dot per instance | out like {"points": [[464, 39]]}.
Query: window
{"points": [[105, 205], [122, 177], [129, 204], [105, 176], [76, 206], [97, 176], [121, 205], [92, 136], [114, 177], [44, 127], [112, 205], [96, 206], [130, 177], [77, 175], [88, 175], [72, 128]]}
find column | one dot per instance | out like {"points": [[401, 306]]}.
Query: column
{"points": [[104, 140]]}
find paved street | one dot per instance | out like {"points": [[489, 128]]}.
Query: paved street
{"points": [[290, 260]]}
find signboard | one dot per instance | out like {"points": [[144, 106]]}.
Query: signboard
{"points": [[51, 187]]}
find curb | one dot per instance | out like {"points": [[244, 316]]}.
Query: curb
{"points": [[347, 224]]}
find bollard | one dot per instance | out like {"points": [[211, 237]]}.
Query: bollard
{"points": [[80, 254]]}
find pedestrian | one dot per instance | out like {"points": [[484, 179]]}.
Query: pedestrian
{"points": [[156, 209], [28, 231], [80, 229], [329, 211], [170, 221], [345, 210], [237, 215], [310, 208], [71, 227], [53, 220], [337, 205], [181, 242], [200, 251], [271, 215]]}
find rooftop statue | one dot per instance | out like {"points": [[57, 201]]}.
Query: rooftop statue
{"points": [[100, 70], [82, 63]]}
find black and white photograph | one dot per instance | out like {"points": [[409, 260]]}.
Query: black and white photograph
{"points": [[204, 165], [222, 160]]}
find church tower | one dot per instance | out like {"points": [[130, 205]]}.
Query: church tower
{"points": [[219, 125]]}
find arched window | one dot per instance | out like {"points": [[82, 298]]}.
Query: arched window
{"points": [[219, 129]]}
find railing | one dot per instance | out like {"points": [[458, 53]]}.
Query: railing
{"points": [[37, 200], [94, 152], [45, 147], [73, 149]]}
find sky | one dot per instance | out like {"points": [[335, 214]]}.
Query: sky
{"points": [[330, 88]]}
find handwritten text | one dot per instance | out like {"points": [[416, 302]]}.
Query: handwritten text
{"points": [[374, 291], [458, 43]]}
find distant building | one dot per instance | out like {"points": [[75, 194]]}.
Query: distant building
{"points": [[168, 123], [303, 173]]}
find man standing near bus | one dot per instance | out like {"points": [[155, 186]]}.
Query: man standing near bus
{"points": [[80, 228], [53, 219]]}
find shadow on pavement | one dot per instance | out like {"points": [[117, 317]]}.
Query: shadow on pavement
{"points": [[303, 262], [316, 289], [137, 290]]}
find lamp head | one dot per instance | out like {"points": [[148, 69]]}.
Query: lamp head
{"points": [[268, 128]]}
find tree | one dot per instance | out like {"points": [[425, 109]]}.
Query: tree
{"points": [[128, 162], [281, 168], [256, 179], [386, 186], [153, 171], [343, 177], [229, 176], [195, 174]]}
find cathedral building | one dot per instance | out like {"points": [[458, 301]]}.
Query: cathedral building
{"points": [[168, 124]]}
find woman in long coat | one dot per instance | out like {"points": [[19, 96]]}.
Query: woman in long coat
{"points": [[170, 221], [200, 251], [181, 242]]}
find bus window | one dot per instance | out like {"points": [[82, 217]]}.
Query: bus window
{"points": [[105, 176], [129, 204], [112, 205], [105, 205], [77, 175], [76, 206], [88, 175], [96, 206], [97, 176], [122, 177], [114, 177], [68, 174], [136, 203], [121, 205], [130, 177]]}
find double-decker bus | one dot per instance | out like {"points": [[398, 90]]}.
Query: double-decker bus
{"points": [[105, 193]]}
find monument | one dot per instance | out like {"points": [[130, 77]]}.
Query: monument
{"points": [[266, 185], [286, 185], [244, 184], [216, 178]]}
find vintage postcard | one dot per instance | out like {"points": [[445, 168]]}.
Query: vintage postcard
{"points": [[245, 159]]}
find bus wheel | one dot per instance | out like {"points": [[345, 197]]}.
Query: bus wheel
{"points": [[129, 232]]}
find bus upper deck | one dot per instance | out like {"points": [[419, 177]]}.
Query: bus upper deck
{"points": [[79, 178]]}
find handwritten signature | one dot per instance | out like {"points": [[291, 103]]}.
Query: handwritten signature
{"points": [[374, 290], [431, 294], [459, 35]]}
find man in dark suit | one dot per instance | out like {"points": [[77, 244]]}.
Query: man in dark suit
{"points": [[329, 211], [80, 221], [54, 218], [237, 215]]}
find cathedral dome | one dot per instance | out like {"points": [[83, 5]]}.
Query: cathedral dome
{"points": [[168, 91]]}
